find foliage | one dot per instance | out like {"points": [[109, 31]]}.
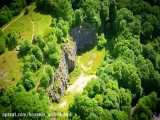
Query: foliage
{"points": [[92, 9], [11, 40], [41, 58], [146, 105], [126, 20], [5, 15], [46, 76], [24, 48], [87, 108], [101, 41], [79, 17], [28, 81], [119, 115], [25, 102], [57, 6], [129, 32], [76, 4], [10, 8], [2, 42], [61, 29]]}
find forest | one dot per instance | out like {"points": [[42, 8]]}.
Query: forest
{"points": [[79, 59]]}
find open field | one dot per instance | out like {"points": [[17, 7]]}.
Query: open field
{"points": [[24, 23], [10, 71], [91, 60], [9, 64]]}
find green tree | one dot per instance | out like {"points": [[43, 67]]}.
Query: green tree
{"points": [[37, 53], [147, 29], [58, 8], [149, 52], [127, 77], [111, 100], [63, 9], [125, 100], [61, 29], [52, 51], [16, 6], [44, 81], [28, 102], [28, 81], [2, 42], [112, 17], [31, 63], [5, 15], [93, 88], [104, 13], [24, 48], [119, 115], [87, 109], [11, 40], [112, 10], [76, 4], [101, 41], [79, 17], [146, 105], [92, 12], [126, 20]]}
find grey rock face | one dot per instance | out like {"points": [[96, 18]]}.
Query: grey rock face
{"points": [[84, 36], [70, 50], [67, 63]]}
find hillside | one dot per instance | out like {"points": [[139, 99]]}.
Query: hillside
{"points": [[80, 59]]}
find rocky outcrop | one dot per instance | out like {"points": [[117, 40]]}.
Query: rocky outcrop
{"points": [[70, 50], [85, 37], [67, 64]]}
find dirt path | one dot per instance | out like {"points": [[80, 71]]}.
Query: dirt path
{"points": [[33, 29], [77, 87], [80, 83], [12, 21]]}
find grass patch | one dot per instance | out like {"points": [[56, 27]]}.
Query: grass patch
{"points": [[74, 75], [91, 60], [23, 25], [9, 69], [62, 107], [9, 64], [87, 63]]}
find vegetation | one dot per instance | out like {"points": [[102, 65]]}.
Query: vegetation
{"points": [[23, 23], [129, 70], [10, 8], [2, 42], [10, 69], [125, 61]]}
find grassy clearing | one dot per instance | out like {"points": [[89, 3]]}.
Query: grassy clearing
{"points": [[24, 24], [9, 64], [87, 63], [61, 109], [9, 69], [74, 75], [91, 60]]}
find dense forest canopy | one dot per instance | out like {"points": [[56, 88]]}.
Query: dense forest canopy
{"points": [[127, 84]]}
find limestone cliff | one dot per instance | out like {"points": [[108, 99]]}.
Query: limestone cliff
{"points": [[85, 37], [67, 64]]}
